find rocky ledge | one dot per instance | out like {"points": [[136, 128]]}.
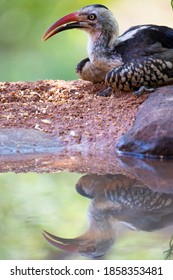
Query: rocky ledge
{"points": [[74, 114]]}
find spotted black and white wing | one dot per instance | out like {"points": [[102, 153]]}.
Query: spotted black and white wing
{"points": [[147, 55]]}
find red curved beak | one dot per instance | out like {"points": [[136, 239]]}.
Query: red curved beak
{"points": [[69, 245], [69, 21]]}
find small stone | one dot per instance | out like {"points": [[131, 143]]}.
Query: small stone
{"points": [[46, 121]]}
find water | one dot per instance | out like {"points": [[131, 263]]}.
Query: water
{"points": [[111, 208]]}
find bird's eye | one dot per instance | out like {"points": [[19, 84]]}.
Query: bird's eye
{"points": [[91, 249], [92, 17]]}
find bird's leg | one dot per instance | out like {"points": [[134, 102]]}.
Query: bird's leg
{"points": [[140, 75], [143, 89], [81, 65], [106, 92], [89, 72]]}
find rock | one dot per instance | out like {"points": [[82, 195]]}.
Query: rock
{"points": [[152, 132]]}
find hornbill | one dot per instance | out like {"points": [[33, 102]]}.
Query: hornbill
{"points": [[140, 59]]}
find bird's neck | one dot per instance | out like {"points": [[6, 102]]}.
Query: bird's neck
{"points": [[100, 216], [99, 50]]}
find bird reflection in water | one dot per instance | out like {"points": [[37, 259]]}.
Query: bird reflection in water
{"points": [[115, 199]]}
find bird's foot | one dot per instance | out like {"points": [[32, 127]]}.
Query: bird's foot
{"points": [[143, 89], [106, 92]]}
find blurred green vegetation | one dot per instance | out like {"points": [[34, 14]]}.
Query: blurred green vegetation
{"points": [[23, 55]]}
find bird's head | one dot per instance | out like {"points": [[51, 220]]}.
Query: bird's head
{"points": [[94, 19], [87, 245]]}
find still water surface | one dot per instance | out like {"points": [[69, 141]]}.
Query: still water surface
{"points": [[69, 215]]}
